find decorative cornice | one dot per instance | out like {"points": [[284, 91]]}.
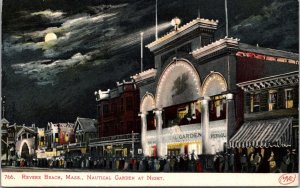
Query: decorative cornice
{"points": [[216, 46], [287, 79], [196, 23], [144, 75]]}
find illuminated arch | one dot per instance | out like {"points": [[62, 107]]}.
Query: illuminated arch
{"points": [[23, 144], [214, 84], [179, 83], [148, 103]]}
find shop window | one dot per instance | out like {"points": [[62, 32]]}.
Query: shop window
{"points": [[56, 137], [289, 101], [217, 108], [150, 121], [272, 100], [255, 102], [129, 103]]}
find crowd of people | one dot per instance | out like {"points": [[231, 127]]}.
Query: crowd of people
{"points": [[245, 161]]}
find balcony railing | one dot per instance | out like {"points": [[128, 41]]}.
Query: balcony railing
{"points": [[117, 137]]}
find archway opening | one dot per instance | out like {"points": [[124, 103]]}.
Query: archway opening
{"points": [[178, 94], [25, 151]]}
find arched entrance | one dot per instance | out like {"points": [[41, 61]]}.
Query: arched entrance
{"points": [[177, 105], [148, 121], [25, 151], [213, 109]]}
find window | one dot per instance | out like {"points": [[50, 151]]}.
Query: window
{"points": [[289, 102], [217, 108], [272, 100], [150, 121], [255, 102], [56, 137], [182, 114]]}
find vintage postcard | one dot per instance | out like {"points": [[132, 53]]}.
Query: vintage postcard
{"points": [[126, 93]]}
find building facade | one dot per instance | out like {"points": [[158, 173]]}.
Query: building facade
{"points": [[190, 102], [118, 122]]}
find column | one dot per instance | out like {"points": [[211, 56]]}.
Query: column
{"points": [[205, 125], [144, 134], [230, 115], [159, 123]]}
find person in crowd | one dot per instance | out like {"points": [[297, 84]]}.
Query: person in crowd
{"points": [[216, 162], [221, 163], [293, 164], [151, 164], [252, 163], [156, 165], [82, 163], [126, 165], [232, 162], [244, 163], [226, 162], [272, 164], [257, 161], [167, 166], [286, 160], [141, 166], [172, 164], [161, 164], [199, 166]]}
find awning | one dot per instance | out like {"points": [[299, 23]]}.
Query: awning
{"points": [[264, 133]]}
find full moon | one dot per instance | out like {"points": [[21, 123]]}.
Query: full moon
{"points": [[50, 37]]}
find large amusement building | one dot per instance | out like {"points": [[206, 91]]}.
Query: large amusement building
{"points": [[190, 101]]}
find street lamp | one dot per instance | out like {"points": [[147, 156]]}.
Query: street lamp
{"points": [[175, 22]]}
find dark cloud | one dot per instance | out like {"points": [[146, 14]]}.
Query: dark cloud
{"points": [[98, 44]]}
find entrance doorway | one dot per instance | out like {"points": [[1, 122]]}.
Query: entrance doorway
{"points": [[173, 152], [25, 151]]}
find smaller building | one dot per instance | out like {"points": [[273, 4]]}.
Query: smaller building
{"points": [[271, 120], [57, 136], [119, 124], [26, 142], [84, 130]]}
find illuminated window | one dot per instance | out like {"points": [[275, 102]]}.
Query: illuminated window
{"points": [[217, 108], [56, 137], [255, 102], [150, 121], [272, 100], [289, 102]]}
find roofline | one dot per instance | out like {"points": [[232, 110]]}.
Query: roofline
{"points": [[205, 24], [267, 78]]}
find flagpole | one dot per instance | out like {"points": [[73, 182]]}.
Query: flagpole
{"points": [[226, 17], [156, 27], [142, 65]]}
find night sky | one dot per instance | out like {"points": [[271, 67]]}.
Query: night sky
{"points": [[98, 44]]}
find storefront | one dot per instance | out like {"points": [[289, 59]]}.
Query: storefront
{"points": [[176, 140]]}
